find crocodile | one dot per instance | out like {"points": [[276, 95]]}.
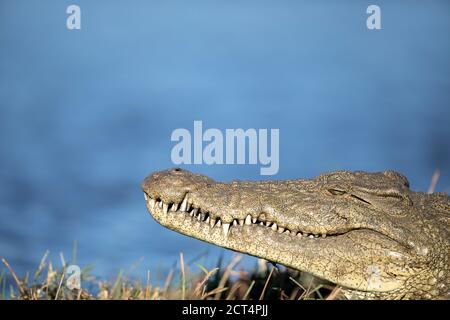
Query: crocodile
{"points": [[366, 232]]}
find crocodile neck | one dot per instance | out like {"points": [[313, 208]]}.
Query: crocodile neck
{"points": [[366, 232]]}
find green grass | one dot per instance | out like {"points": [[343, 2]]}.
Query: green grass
{"points": [[262, 282]]}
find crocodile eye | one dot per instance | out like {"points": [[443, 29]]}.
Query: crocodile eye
{"points": [[336, 192]]}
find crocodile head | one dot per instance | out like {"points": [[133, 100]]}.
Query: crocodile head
{"points": [[366, 232]]}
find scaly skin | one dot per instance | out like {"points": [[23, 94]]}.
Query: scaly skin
{"points": [[366, 232]]}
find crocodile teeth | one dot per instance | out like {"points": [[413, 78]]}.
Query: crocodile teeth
{"points": [[226, 228], [184, 205], [216, 222]]}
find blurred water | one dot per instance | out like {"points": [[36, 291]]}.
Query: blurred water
{"points": [[86, 115]]}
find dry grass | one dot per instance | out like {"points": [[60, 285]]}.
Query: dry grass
{"points": [[262, 282]]}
